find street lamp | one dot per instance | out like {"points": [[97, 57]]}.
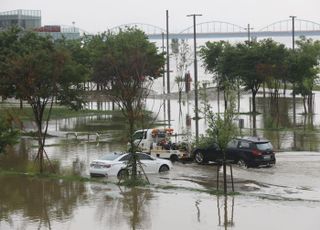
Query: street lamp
{"points": [[293, 93], [248, 29], [195, 74], [293, 17], [168, 68]]}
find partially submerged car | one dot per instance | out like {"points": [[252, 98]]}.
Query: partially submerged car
{"points": [[244, 151], [115, 164]]}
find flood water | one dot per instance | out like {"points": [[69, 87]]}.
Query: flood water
{"points": [[285, 196]]}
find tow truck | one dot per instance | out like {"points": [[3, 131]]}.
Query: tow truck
{"points": [[158, 143]]}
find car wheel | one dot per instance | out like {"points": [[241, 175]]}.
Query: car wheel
{"points": [[174, 158], [199, 158], [164, 168], [123, 174], [242, 163]]}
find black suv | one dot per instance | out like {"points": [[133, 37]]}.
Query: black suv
{"points": [[245, 151]]}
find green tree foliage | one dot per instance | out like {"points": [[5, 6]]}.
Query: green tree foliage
{"points": [[126, 65], [250, 64], [221, 130], [8, 135], [303, 68], [220, 60], [182, 55], [39, 71]]}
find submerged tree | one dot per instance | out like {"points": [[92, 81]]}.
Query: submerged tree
{"points": [[41, 72], [8, 135], [220, 60], [221, 130], [126, 68], [303, 68], [182, 55]]}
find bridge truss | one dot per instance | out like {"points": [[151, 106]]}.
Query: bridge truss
{"points": [[220, 29]]}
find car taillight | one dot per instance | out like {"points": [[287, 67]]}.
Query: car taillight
{"points": [[256, 152]]}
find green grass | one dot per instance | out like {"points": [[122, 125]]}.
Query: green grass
{"points": [[57, 112]]}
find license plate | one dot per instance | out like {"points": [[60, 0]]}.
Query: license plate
{"points": [[268, 157]]}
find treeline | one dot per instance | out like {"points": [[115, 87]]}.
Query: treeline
{"points": [[264, 64]]}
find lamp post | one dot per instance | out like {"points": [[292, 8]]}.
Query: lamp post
{"points": [[293, 94], [248, 29], [168, 68], [195, 74], [293, 86], [293, 17]]}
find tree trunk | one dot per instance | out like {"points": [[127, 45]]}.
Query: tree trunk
{"points": [[225, 190], [225, 100], [254, 101], [133, 148], [294, 105], [238, 88], [304, 104]]}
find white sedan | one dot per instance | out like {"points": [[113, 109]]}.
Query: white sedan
{"points": [[114, 164]]}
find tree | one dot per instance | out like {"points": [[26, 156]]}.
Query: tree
{"points": [[40, 72], [220, 60], [303, 68], [182, 56], [8, 135], [126, 68], [221, 130]]}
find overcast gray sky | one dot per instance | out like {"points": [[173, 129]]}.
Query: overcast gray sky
{"points": [[99, 15]]}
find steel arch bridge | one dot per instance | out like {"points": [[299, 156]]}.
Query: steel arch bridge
{"points": [[149, 29], [220, 29]]}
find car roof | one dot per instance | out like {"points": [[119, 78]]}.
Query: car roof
{"points": [[253, 139]]}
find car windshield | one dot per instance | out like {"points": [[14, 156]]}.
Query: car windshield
{"points": [[139, 135], [264, 146], [110, 157]]}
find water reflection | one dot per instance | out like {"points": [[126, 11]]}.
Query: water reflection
{"points": [[132, 205], [17, 158], [38, 200], [226, 211]]}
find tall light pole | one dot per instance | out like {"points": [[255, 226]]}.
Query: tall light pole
{"points": [[293, 86], [195, 74], [168, 68], [163, 77], [249, 35], [293, 17], [293, 94]]}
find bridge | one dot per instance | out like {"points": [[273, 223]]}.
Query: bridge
{"points": [[220, 29]]}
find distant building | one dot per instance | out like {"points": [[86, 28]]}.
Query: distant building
{"points": [[26, 19], [58, 32], [31, 20]]}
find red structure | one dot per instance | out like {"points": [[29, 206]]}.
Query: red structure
{"points": [[48, 29]]}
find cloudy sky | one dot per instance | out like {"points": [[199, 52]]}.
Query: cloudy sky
{"points": [[99, 15]]}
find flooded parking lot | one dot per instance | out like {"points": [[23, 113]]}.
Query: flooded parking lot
{"points": [[286, 196], [181, 202]]}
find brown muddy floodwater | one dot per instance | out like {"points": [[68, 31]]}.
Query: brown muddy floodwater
{"points": [[43, 204], [286, 196]]}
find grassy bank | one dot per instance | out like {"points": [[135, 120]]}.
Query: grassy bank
{"points": [[58, 112]]}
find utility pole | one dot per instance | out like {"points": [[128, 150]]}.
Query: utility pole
{"points": [[293, 86], [163, 77], [195, 74], [168, 68], [249, 30], [293, 94]]}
